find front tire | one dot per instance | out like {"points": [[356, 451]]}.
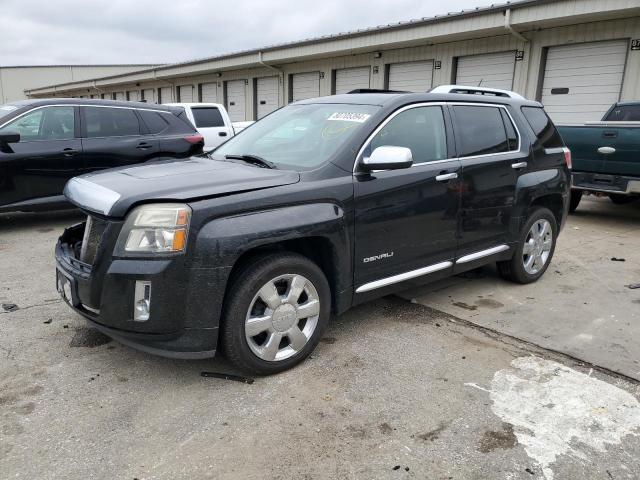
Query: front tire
{"points": [[277, 310], [535, 248]]}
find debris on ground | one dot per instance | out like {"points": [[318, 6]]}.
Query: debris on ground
{"points": [[10, 307], [48, 321], [633, 286], [227, 376], [88, 337], [615, 259]]}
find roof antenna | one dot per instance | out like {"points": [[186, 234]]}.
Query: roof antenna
{"points": [[480, 82]]}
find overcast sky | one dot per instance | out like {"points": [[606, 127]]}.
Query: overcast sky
{"points": [[38, 32]]}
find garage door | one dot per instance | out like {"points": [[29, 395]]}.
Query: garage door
{"points": [[582, 81], [348, 79], [266, 95], [166, 95], [305, 85], [493, 70], [118, 96], [411, 76], [209, 92], [134, 95], [185, 93], [236, 100], [148, 95]]}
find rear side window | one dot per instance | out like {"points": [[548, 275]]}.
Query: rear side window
{"points": [[543, 127], [482, 130], [624, 113], [207, 117], [154, 121], [421, 129], [110, 122]]}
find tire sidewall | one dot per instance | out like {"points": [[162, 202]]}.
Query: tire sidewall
{"points": [[517, 264], [244, 289]]}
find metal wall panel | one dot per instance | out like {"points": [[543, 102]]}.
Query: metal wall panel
{"points": [[236, 100], [267, 89], [348, 79], [411, 76], [493, 70], [582, 81]]}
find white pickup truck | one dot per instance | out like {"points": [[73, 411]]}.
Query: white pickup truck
{"points": [[211, 120]]}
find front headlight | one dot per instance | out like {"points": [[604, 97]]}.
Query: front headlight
{"points": [[158, 228]]}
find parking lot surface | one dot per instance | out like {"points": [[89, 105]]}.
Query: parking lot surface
{"points": [[441, 389]]}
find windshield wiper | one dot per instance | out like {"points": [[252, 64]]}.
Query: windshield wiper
{"points": [[253, 159]]}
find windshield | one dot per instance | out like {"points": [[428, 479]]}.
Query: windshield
{"points": [[6, 110], [299, 137]]}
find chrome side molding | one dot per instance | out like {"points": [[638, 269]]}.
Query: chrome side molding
{"points": [[383, 282], [482, 253]]}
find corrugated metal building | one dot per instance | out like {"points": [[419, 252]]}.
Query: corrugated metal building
{"points": [[577, 56], [14, 80]]}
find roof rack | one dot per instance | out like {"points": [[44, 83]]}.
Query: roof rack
{"points": [[374, 90], [495, 92]]}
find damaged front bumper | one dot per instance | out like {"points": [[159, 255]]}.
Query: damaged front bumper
{"points": [[182, 321]]}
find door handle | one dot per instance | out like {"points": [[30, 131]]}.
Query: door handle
{"points": [[69, 152], [606, 150], [143, 145], [222, 134], [519, 165], [443, 177]]}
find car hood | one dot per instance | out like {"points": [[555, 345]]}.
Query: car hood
{"points": [[113, 192]]}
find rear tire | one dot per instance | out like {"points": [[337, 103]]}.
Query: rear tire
{"points": [[535, 248], [277, 309], [576, 196]]}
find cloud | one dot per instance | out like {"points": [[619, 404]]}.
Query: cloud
{"points": [[164, 31]]}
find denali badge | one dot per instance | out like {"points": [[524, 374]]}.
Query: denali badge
{"points": [[377, 257]]}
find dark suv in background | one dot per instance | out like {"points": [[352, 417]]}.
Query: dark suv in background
{"points": [[44, 143], [319, 206]]}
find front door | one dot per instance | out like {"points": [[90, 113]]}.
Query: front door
{"points": [[46, 157], [406, 220]]}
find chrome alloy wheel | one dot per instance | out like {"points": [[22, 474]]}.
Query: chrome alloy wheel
{"points": [[537, 246], [282, 317]]}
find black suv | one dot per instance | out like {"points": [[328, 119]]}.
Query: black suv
{"points": [[44, 143], [321, 205]]}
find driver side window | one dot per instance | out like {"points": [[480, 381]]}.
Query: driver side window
{"points": [[49, 123], [421, 129]]}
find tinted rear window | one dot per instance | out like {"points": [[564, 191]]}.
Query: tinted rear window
{"points": [[110, 122], [483, 130], [207, 117], [154, 121], [624, 113], [543, 127]]}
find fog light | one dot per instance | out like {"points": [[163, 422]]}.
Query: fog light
{"points": [[142, 301]]}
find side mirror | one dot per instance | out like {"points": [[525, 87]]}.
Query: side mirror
{"points": [[388, 158], [9, 137]]}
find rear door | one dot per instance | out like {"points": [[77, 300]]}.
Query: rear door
{"points": [[114, 137], [489, 149], [47, 156], [406, 220], [210, 123]]}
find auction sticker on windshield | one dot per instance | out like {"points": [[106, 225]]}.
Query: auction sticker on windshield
{"points": [[349, 117]]}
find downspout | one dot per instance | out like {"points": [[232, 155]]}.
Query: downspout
{"points": [[507, 25], [276, 69]]}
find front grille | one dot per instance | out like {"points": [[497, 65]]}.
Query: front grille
{"points": [[91, 241]]}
